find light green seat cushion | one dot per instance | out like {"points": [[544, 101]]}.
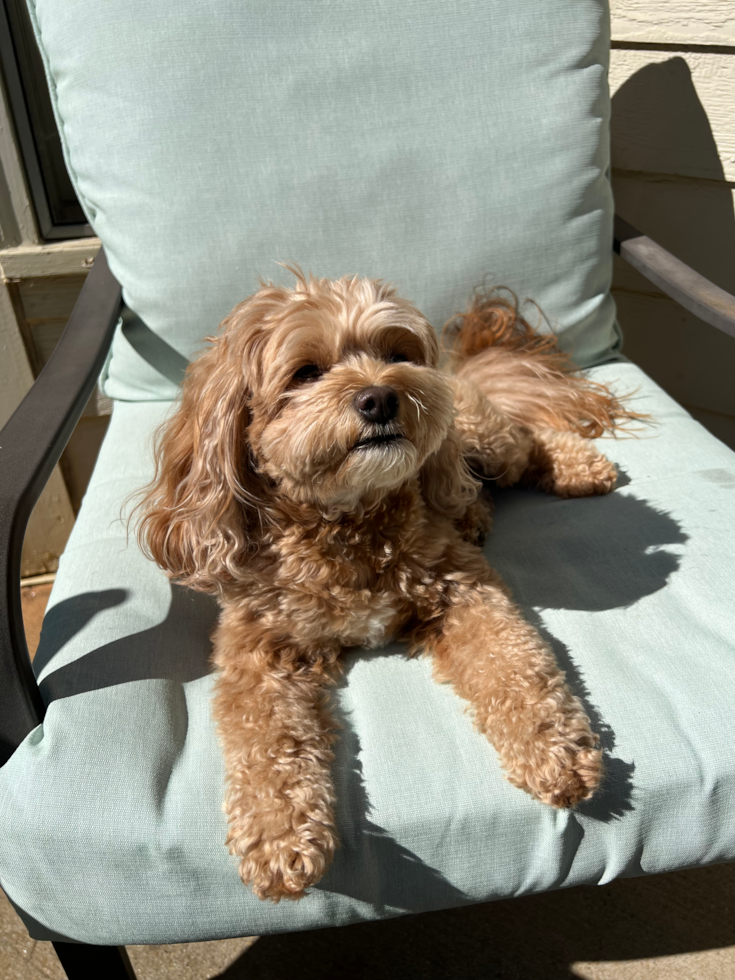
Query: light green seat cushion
{"points": [[111, 828], [428, 143]]}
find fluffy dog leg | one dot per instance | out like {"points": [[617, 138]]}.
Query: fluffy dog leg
{"points": [[566, 464], [276, 737], [520, 701], [560, 462]]}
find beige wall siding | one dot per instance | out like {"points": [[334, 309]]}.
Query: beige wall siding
{"points": [[674, 21], [672, 80]]}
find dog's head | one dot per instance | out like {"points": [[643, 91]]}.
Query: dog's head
{"points": [[327, 394], [345, 401]]}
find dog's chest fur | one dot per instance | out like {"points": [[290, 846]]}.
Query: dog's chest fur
{"points": [[356, 581]]}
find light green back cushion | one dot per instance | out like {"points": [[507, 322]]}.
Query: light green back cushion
{"points": [[437, 145]]}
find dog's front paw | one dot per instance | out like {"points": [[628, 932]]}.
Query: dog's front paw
{"points": [[569, 776], [283, 865], [560, 763], [569, 466], [590, 477]]}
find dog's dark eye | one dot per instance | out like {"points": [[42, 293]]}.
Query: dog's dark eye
{"points": [[397, 358], [309, 372]]}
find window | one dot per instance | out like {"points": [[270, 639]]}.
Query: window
{"points": [[58, 212]]}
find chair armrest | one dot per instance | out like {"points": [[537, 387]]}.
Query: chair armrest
{"points": [[673, 277], [30, 446]]}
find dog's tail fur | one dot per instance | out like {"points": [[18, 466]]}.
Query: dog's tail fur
{"points": [[525, 375]]}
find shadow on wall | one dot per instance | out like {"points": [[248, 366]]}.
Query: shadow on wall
{"points": [[661, 138], [669, 182]]}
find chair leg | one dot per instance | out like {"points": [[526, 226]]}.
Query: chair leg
{"points": [[83, 962]]}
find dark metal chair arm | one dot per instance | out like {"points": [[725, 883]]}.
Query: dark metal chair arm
{"points": [[31, 444], [673, 277]]}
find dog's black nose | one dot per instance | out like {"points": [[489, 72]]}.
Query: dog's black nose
{"points": [[377, 404]]}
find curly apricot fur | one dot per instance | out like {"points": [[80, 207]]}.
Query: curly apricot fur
{"points": [[321, 527]]}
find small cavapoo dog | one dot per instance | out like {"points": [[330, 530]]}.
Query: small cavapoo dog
{"points": [[318, 478]]}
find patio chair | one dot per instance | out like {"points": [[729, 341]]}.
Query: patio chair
{"points": [[438, 146]]}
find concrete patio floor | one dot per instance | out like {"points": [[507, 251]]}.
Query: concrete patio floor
{"points": [[670, 927]]}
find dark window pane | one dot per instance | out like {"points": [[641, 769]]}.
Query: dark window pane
{"points": [[58, 211]]}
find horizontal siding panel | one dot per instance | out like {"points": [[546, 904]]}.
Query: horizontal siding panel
{"points": [[692, 361], [694, 220], [674, 113], [674, 21]]}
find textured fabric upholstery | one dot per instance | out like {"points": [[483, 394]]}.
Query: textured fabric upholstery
{"points": [[111, 827], [427, 143]]}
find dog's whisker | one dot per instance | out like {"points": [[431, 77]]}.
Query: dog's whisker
{"points": [[416, 401]]}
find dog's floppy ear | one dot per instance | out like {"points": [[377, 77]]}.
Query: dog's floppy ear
{"points": [[447, 485], [199, 512]]}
